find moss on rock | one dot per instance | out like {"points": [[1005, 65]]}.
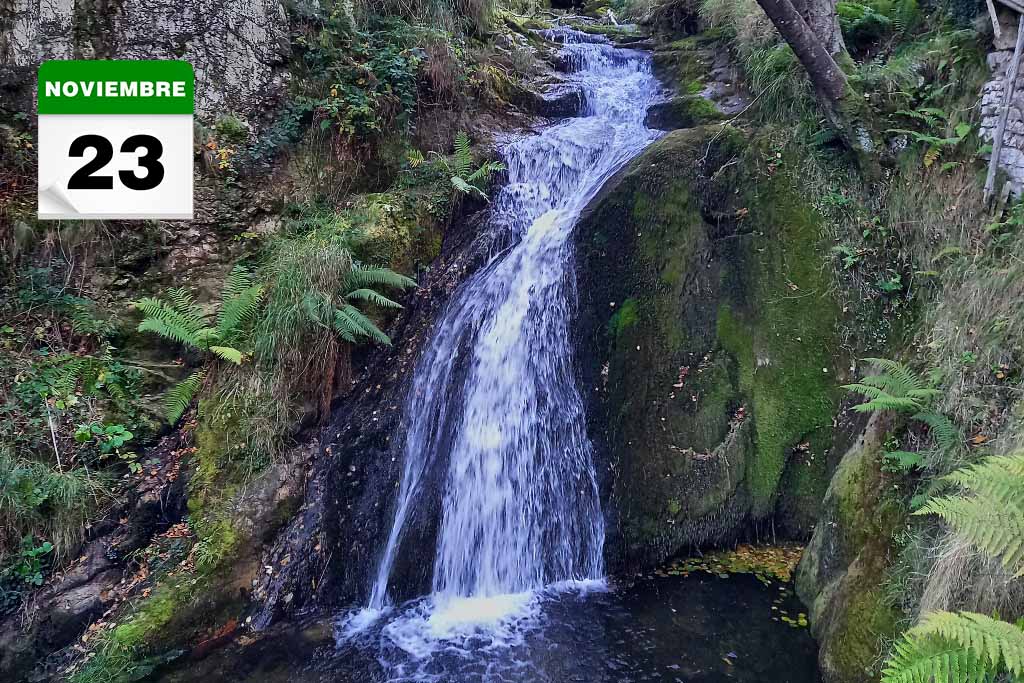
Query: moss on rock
{"points": [[721, 385], [841, 574], [682, 112]]}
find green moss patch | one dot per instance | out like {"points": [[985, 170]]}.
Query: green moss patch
{"points": [[725, 384]]}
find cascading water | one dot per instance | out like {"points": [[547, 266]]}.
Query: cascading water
{"points": [[494, 395]]}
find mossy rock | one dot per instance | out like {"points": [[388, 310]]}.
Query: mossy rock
{"points": [[844, 567], [682, 112], [707, 345], [683, 62]]}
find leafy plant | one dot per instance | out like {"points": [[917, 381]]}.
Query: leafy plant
{"points": [[464, 178], [27, 567], [956, 648], [111, 439], [896, 387], [899, 389], [180, 319], [850, 255], [990, 511], [964, 646]]}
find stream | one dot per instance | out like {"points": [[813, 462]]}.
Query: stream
{"points": [[519, 591]]}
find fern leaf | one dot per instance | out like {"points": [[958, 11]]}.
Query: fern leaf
{"points": [[361, 277], [184, 303], [367, 328], [171, 329], [463, 156], [901, 372], [237, 309], [465, 188], [998, 643], [347, 329], [931, 660], [178, 399], [945, 433], [995, 528], [372, 297], [238, 280], [228, 353]]}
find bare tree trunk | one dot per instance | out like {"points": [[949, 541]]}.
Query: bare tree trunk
{"points": [[828, 79], [822, 19]]}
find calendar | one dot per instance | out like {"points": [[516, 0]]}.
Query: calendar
{"points": [[115, 139]]}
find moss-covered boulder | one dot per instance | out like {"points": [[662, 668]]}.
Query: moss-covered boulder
{"points": [[682, 112], [842, 573], [706, 346]]}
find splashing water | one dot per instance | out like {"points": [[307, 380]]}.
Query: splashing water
{"points": [[494, 392]]}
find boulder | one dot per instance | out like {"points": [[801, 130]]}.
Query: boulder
{"points": [[706, 347]]}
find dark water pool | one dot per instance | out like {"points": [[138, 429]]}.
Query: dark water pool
{"points": [[695, 629]]}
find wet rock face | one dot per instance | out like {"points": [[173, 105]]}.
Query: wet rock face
{"points": [[558, 101], [705, 348], [682, 112], [237, 47], [327, 557], [842, 571]]}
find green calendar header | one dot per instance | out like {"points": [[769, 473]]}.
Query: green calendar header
{"points": [[116, 87]]}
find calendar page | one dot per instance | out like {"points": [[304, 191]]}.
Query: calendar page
{"points": [[115, 139]]}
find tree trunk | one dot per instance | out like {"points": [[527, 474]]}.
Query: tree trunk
{"points": [[823, 21], [828, 79]]}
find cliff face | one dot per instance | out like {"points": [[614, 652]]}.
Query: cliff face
{"points": [[705, 346], [238, 48]]}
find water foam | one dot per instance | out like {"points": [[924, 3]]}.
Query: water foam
{"points": [[521, 517]]}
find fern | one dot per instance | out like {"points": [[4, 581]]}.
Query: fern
{"points": [[990, 513], [462, 164], [240, 299], [464, 178], [896, 387], [372, 297], [946, 434], [232, 355], [956, 647], [178, 399], [363, 277], [181, 320]]}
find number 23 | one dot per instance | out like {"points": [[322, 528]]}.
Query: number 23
{"points": [[84, 178]]}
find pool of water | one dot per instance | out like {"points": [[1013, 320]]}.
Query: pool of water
{"points": [[695, 629]]}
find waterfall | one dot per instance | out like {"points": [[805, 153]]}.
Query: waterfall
{"points": [[493, 397]]}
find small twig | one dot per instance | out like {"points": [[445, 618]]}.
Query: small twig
{"points": [[53, 436]]}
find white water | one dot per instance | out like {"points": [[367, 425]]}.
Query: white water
{"points": [[494, 395]]}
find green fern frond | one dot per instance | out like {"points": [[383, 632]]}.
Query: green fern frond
{"points": [[463, 161], [931, 660], [228, 353], [366, 326], [173, 330], [997, 644], [178, 399], [464, 187], [363, 277], [238, 308], [945, 433], [347, 329], [238, 280], [900, 372], [485, 171], [895, 387], [372, 297], [994, 528], [185, 304]]}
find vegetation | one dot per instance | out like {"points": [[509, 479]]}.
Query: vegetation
{"points": [[966, 646], [181, 320]]}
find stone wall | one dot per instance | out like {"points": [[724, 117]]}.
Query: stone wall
{"points": [[237, 47], [1012, 156]]}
